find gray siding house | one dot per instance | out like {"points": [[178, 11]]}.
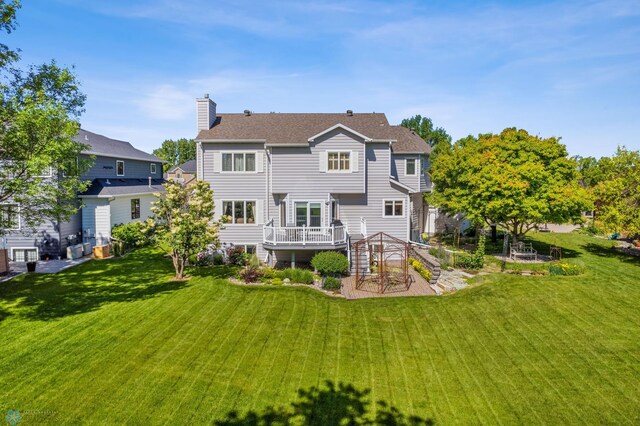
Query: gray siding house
{"points": [[295, 184], [123, 180]]}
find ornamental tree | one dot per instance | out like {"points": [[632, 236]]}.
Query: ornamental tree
{"points": [[512, 179], [39, 111], [181, 224], [617, 195]]}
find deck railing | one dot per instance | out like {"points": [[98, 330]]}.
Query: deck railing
{"points": [[304, 235]]}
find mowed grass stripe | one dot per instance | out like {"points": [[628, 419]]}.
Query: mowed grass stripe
{"points": [[519, 343], [562, 387], [257, 329], [75, 351], [183, 349], [155, 347], [508, 369], [434, 368], [202, 363]]}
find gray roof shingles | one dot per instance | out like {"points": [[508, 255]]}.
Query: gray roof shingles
{"points": [[102, 145], [119, 186], [297, 128], [187, 167]]}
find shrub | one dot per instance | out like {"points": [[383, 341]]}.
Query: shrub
{"points": [[420, 268], [236, 256], [564, 268], [254, 262], [332, 283], [475, 260], [217, 259], [300, 276], [118, 248], [250, 275], [330, 263], [269, 273], [131, 234], [277, 281]]}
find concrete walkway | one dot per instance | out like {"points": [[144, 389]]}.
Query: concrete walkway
{"points": [[48, 266]]}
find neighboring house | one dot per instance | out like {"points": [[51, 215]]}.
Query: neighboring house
{"points": [[295, 184], [185, 173], [123, 182]]}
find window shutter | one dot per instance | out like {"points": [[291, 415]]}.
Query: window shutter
{"points": [[259, 161], [217, 162], [217, 210], [323, 161], [260, 212], [354, 161]]}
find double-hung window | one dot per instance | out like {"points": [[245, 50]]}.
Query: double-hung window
{"points": [[393, 208], [10, 217], [119, 168], [238, 161], [339, 161], [411, 167], [240, 212]]}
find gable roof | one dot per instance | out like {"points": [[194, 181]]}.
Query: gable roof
{"points": [[298, 128], [187, 167], [103, 188], [107, 147]]}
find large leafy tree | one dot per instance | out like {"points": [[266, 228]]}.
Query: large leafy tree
{"points": [[181, 224], [513, 179], [39, 111], [436, 137], [617, 193], [176, 152]]}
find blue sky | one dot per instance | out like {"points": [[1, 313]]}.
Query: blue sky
{"points": [[566, 68]]}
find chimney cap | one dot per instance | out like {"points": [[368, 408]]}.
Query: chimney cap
{"points": [[247, 112], [349, 112], [206, 96]]}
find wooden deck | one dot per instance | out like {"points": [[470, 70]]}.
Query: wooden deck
{"points": [[418, 288]]}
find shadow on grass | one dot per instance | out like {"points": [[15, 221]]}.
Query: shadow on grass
{"points": [[330, 404], [610, 251], [139, 275], [544, 248], [215, 272]]}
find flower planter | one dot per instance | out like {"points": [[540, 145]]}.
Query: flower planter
{"points": [[101, 252], [31, 266]]}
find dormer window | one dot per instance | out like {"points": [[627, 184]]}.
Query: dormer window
{"points": [[119, 168], [152, 168], [411, 168]]}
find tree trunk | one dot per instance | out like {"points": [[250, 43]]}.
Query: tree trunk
{"points": [[494, 233]]}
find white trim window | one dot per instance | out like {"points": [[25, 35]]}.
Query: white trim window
{"points": [[234, 162], [393, 208], [10, 217], [24, 254], [338, 161], [411, 167], [240, 212], [119, 167], [153, 168]]}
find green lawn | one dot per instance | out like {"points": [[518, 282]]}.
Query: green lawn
{"points": [[117, 342]]}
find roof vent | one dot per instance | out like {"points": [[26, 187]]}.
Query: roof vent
{"points": [[349, 113], [206, 96], [86, 137], [247, 112]]}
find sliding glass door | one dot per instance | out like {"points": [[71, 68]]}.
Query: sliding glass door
{"points": [[308, 213]]}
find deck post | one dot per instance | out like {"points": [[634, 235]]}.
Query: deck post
{"points": [[293, 259]]}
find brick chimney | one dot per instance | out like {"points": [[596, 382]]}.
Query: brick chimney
{"points": [[205, 113]]}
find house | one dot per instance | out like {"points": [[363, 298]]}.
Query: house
{"points": [[184, 173], [294, 184], [123, 180]]}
